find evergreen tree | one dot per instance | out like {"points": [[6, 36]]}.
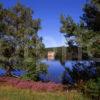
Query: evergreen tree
{"points": [[91, 19], [91, 15], [19, 41], [87, 31]]}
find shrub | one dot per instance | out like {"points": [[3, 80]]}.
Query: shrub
{"points": [[92, 88]]}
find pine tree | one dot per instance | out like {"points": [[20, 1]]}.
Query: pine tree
{"points": [[87, 31], [91, 15], [20, 44]]}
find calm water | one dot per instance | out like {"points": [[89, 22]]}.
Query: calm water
{"points": [[55, 70]]}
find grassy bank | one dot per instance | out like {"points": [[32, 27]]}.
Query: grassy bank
{"points": [[11, 93]]}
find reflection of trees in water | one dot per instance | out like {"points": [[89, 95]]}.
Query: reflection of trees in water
{"points": [[80, 72], [67, 53]]}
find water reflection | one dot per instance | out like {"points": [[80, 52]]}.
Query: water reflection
{"points": [[57, 72]]}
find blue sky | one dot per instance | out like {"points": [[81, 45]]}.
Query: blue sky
{"points": [[49, 12]]}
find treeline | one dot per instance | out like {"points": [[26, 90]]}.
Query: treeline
{"points": [[67, 53]]}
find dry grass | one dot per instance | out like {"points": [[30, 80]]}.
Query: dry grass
{"points": [[11, 93]]}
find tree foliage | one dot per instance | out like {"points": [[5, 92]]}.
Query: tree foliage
{"points": [[20, 44], [87, 31], [91, 15]]}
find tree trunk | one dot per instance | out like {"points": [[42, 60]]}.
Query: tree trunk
{"points": [[8, 71], [8, 68]]}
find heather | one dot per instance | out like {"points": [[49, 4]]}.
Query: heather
{"points": [[29, 84]]}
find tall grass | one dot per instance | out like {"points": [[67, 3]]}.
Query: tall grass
{"points": [[11, 93]]}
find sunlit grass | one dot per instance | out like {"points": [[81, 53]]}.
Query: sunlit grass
{"points": [[11, 93]]}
